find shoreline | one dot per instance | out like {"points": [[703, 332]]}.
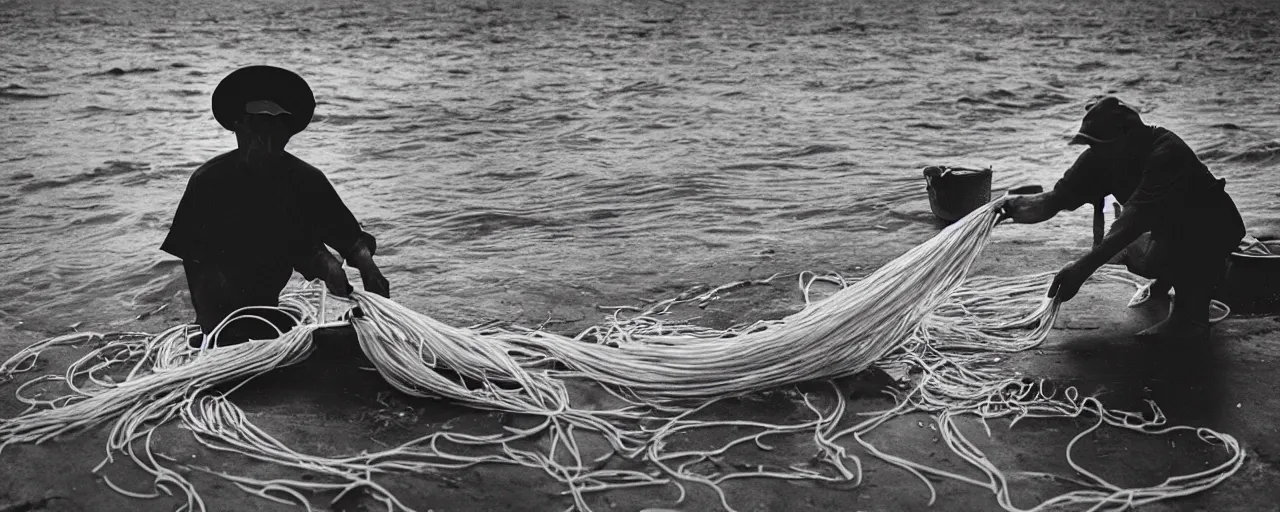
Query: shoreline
{"points": [[329, 405]]}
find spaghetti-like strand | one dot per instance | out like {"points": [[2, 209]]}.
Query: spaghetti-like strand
{"points": [[917, 315]]}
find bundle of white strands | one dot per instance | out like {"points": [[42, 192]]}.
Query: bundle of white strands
{"points": [[916, 316]]}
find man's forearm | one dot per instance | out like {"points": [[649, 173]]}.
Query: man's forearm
{"points": [[361, 257], [1035, 208], [1050, 204], [315, 264]]}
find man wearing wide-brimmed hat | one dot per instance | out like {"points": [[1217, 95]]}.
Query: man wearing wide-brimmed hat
{"points": [[1167, 191], [251, 216]]}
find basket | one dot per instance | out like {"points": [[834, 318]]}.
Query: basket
{"points": [[1252, 285], [956, 191]]}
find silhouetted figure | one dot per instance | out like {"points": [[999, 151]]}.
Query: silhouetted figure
{"points": [[1167, 191], [251, 216]]}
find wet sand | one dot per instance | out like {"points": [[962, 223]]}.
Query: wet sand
{"points": [[568, 155], [328, 405]]}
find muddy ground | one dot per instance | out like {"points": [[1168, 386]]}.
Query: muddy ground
{"points": [[328, 405]]}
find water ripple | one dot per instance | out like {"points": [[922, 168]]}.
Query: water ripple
{"points": [[503, 148]]}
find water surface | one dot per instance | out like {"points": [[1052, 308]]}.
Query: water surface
{"points": [[511, 156]]}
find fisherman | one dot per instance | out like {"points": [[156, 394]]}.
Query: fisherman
{"points": [[1166, 191], [253, 215]]}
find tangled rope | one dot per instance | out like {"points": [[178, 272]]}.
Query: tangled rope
{"points": [[917, 316]]}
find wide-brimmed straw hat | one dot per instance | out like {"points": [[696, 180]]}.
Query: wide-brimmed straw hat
{"points": [[264, 90]]}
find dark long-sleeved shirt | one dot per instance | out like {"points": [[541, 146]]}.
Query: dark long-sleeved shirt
{"points": [[1165, 189], [1160, 176], [261, 224]]}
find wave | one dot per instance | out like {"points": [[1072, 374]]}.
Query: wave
{"points": [[123, 71], [113, 168], [18, 92], [1255, 152], [812, 149]]}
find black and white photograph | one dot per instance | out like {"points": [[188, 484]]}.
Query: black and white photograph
{"points": [[639, 255]]}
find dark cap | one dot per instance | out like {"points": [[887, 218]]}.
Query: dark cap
{"points": [[1104, 121], [267, 89]]}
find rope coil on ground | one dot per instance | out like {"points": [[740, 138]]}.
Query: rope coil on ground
{"points": [[916, 316]]}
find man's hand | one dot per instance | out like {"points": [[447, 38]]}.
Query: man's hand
{"points": [[1029, 209], [1068, 281], [374, 282], [335, 278], [362, 259]]}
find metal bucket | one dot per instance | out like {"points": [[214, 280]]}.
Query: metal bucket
{"points": [[955, 191], [1252, 285]]}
